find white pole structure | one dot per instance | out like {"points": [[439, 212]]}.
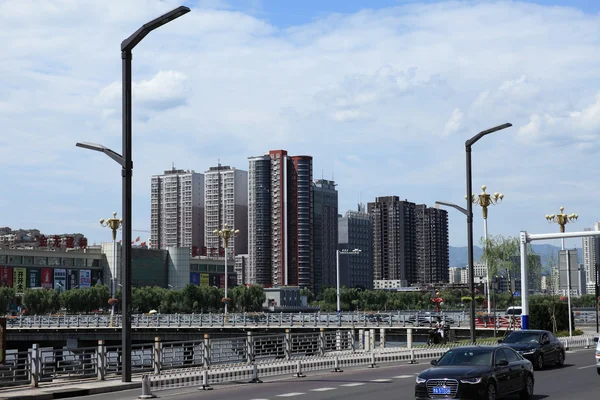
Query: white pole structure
{"points": [[485, 200], [487, 270], [337, 285], [527, 238], [337, 279], [112, 275], [226, 233], [568, 255]]}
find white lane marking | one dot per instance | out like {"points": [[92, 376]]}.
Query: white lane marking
{"points": [[290, 394], [587, 366], [381, 380], [353, 384], [322, 389], [403, 376]]}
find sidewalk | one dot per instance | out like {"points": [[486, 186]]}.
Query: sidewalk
{"points": [[70, 389]]}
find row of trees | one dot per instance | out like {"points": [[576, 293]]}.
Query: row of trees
{"points": [[191, 299]]}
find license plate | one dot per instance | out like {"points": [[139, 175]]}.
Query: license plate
{"points": [[441, 390]]}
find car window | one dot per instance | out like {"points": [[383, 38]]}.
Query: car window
{"points": [[510, 355], [552, 337], [544, 337], [499, 356]]}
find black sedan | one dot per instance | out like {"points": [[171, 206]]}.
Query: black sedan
{"points": [[476, 372], [540, 347]]}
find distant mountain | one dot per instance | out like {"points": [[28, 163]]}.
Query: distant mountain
{"points": [[458, 255]]}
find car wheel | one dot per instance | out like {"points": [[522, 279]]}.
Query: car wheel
{"points": [[598, 370], [527, 392], [561, 359], [539, 362], [490, 393]]}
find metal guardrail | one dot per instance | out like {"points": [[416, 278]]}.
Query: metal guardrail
{"points": [[218, 360], [39, 365], [397, 318], [335, 361]]}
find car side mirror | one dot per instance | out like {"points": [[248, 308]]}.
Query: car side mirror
{"points": [[502, 363], [500, 340], [596, 339], [433, 362]]}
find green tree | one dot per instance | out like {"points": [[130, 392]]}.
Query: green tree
{"points": [[7, 296], [39, 301]]}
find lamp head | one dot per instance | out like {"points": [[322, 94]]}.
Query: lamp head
{"points": [[115, 214], [562, 209], [216, 232], [237, 231], [483, 188], [102, 220]]}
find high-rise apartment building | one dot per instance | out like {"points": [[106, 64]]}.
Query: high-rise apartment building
{"points": [[325, 219], [226, 202], [591, 253], [433, 257], [355, 232], [259, 221], [280, 201], [177, 209], [394, 239]]}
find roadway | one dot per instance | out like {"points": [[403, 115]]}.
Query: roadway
{"points": [[577, 379]]}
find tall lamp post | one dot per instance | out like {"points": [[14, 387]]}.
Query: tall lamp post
{"points": [[563, 219], [126, 163], [226, 233], [468, 144], [485, 200], [114, 224], [344, 252]]}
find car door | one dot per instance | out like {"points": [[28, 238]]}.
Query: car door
{"points": [[501, 372], [516, 370], [556, 345], [547, 348]]}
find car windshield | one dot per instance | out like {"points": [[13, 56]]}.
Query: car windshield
{"points": [[466, 357], [522, 337]]}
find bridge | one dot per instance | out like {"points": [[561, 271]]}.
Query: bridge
{"points": [[210, 360]]}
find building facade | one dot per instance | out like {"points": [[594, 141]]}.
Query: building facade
{"points": [[259, 221], [285, 220], [433, 257], [591, 254], [177, 209], [226, 202], [325, 219], [394, 239], [355, 232]]}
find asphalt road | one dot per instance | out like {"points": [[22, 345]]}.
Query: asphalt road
{"points": [[577, 379]]}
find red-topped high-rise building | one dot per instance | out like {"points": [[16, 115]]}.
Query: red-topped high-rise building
{"points": [[280, 227]]}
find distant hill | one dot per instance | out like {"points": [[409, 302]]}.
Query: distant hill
{"points": [[458, 255]]}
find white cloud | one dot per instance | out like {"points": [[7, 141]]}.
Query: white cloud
{"points": [[398, 88], [453, 123]]}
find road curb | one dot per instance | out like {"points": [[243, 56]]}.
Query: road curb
{"points": [[76, 392]]}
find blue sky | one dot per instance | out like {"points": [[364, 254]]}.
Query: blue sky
{"points": [[382, 93]]}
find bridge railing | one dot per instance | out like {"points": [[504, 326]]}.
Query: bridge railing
{"points": [[40, 365], [395, 318], [310, 350]]}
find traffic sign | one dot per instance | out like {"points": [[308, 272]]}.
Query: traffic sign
{"points": [[2, 340]]}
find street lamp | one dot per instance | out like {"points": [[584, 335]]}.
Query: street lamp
{"points": [[485, 200], [468, 144], [114, 224], [226, 233], [563, 219], [344, 252], [125, 160]]}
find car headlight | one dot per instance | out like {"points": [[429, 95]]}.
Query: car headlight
{"points": [[472, 381], [421, 380], [530, 351]]}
